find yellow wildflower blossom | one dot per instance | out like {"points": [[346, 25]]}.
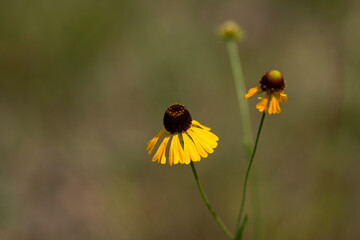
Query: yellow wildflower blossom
{"points": [[190, 141], [273, 84]]}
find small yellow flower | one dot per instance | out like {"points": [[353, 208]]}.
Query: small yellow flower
{"points": [[189, 139], [273, 84]]}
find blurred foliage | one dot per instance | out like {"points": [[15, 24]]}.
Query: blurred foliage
{"points": [[84, 85]]}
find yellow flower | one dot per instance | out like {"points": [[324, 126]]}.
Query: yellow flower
{"points": [[273, 84], [189, 139]]}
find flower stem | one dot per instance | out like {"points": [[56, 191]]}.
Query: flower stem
{"points": [[237, 72], [248, 171], [206, 201], [239, 80]]}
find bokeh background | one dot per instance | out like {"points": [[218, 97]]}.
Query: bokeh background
{"points": [[84, 85]]}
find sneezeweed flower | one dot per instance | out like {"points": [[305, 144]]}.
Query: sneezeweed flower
{"points": [[273, 84], [189, 139], [231, 30]]}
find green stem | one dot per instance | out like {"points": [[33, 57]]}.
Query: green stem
{"points": [[241, 229], [237, 71], [206, 201], [236, 67], [248, 171]]}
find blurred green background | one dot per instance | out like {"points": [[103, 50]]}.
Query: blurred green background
{"points": [[84, 85]]}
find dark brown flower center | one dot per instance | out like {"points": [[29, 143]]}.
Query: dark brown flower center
{"points": [[273, 81], [177, 119]]}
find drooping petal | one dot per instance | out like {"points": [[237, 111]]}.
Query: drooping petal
{"points": [[283, 96], [160, 153], [206, 135], [151, 144], [205, 145], [196, 123], [182, 157], [208, 138], [252, 92], [274, 106], [200, 145], [262, 105], [171, 152], [175, 149], [190, 149]]}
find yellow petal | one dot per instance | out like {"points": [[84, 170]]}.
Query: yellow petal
{"points": [[196, 123], [252, 92], [174, 146], [208, 138], [171, 152], [151, 144], [274, 104], [180, 150], [198, 146], [190, 149], [204, 144], [208, 134], [160, 153], [283, 96], [262, 105], [163, 159]]}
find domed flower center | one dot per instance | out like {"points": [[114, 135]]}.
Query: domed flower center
{"points": [[177, 119], [272, 80]]}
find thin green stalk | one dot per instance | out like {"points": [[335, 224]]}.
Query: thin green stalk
{"points": [[236, 67], [237, 71], [241, 228], [248, 171], [206, 201]]}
